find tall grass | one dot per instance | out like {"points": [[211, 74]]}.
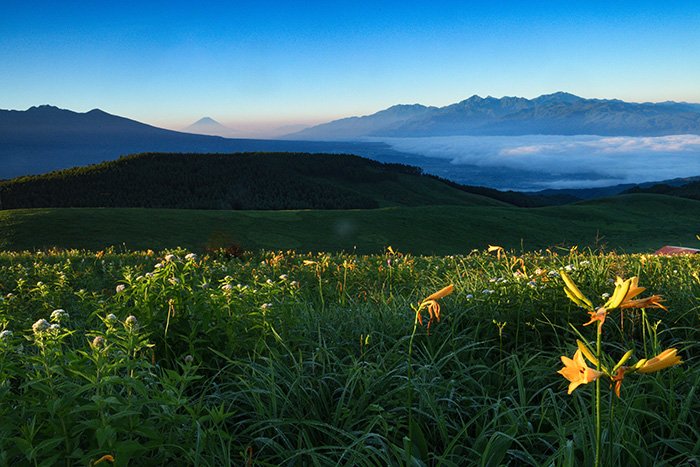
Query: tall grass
{"points": [[282, 358]]}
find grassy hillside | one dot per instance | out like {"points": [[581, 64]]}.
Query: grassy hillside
{"points": [[627, 223], [243, 181]]}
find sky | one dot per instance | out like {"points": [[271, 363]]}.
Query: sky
{"points": [[266, 64]]}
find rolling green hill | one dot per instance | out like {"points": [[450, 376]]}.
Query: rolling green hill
{"points": [[243, 181], [629, 223]]}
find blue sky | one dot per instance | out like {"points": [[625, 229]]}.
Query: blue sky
{"points": [[272, 63]]}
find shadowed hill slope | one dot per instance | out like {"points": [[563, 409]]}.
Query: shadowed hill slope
{"points": [[261, 181]]}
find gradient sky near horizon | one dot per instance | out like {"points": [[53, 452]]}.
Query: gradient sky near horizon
{"points": [[274, 63]]}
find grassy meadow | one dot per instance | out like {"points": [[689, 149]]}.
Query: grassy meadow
{"points": [[630, 223], [282, 358]]}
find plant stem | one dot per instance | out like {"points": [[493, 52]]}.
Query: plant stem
{"points": [[597, 396], [320, 289], [410, 385], [611, 427], [644, 331]]}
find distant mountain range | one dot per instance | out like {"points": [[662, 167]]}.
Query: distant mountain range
{"points": [[45, 138], [552, 114]]}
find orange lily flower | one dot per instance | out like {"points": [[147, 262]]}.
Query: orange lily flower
{"points": [[431, 303], [634, 289], [650, 302], [665, 359], [577, 372], [599, 315], [617, 379], [622, 298], [445, 291]]}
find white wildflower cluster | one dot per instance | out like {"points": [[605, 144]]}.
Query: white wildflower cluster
{"points": [[6, 334], [605, 296], [498, 280], [191, 257], [585, 262], [487, 291], [569, 268], [98, 342], [59, 315], [40, 326], [269, 282], [120, 288], [170, 257], [284, 277], [227, 287], [469, 296]]}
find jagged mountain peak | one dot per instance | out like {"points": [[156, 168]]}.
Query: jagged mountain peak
{"points": [[559, 113]]}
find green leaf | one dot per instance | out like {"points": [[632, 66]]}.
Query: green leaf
{"points": [[105, 435], [420, 446], [496, 449]]}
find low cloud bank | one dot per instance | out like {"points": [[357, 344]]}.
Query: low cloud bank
{"points": [[567, 161]]}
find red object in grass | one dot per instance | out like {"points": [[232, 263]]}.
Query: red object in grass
{"points": [[676, 250]]}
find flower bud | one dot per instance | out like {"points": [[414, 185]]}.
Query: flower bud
{"points": [[131, 322]]}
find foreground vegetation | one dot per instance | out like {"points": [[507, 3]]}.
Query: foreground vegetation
{"points": [[631, 223], [280, 358]]}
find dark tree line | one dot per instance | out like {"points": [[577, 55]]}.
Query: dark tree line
{"points": [[689, 190], [207, 181]]}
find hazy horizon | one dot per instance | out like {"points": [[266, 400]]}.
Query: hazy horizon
{"points": [[272, 128]]}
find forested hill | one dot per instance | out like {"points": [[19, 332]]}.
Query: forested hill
{"points": [[689, 190], [251, 181]]}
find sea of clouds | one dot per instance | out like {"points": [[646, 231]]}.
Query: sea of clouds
{"points": [[566, 161]]}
